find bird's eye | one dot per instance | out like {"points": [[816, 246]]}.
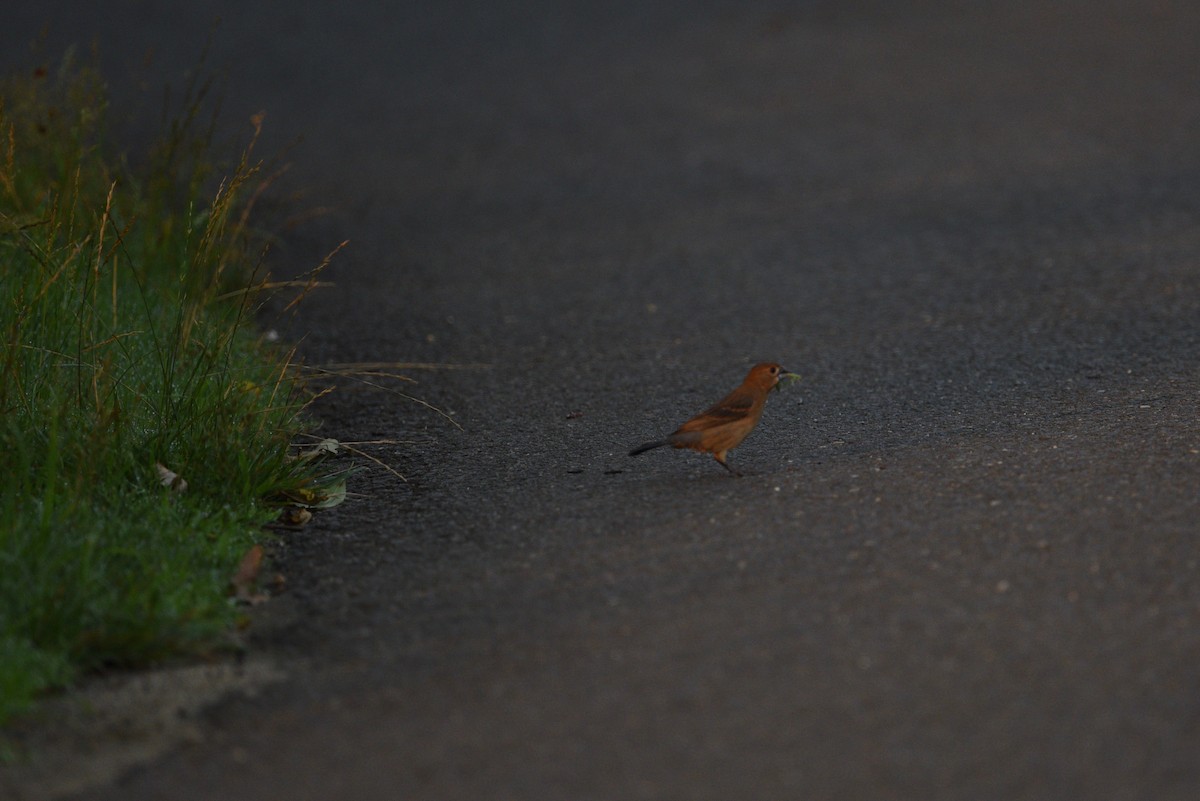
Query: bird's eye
{"points": [[774, 370]]}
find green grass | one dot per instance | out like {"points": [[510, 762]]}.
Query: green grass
{"points": [[125, 343]]}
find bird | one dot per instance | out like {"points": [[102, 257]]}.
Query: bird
{"points": [[722, 427]]}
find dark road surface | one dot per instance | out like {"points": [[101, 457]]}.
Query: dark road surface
{"points": [[963, 563]]}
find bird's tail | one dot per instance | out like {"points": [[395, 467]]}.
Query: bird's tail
{"points": [[649, 446]]}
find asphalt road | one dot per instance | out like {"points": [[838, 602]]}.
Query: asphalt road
{"points": [[963, 561]]}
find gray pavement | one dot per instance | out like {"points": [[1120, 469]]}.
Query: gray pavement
{"points": [[963, 561]]}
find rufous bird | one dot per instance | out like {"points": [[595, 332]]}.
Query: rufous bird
{"points": [[722, 427]]}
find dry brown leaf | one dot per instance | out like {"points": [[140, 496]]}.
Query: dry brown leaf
{"points": [[169, 478], [245, 580], [295, 516]]}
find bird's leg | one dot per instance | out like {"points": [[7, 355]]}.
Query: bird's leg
{"points": [[721, 461]]}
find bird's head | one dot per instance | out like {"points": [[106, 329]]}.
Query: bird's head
{"points": [[766, 375]]}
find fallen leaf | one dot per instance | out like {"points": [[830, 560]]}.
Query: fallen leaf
{"points": [[326, 447], [324, 496], [244, 581], [332, 495], [295, 516], [169, 478]]}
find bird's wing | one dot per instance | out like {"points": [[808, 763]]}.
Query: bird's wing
{"points": [[736, 406]]}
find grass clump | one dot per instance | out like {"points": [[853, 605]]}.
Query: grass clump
{"points": [[126, 351]]}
